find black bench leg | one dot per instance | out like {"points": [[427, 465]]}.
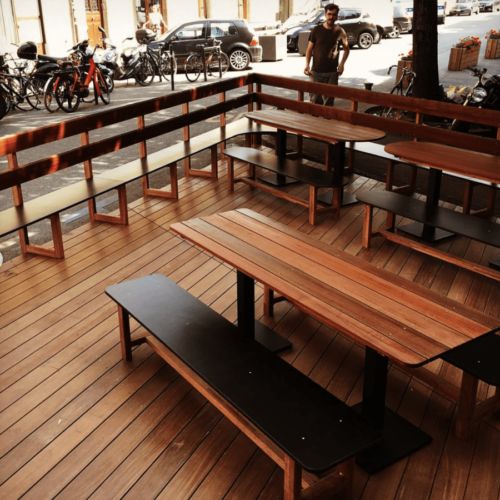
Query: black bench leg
{"points": [[126, 343]]}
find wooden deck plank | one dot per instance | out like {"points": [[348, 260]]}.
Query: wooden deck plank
{"points": [[77, 422]]}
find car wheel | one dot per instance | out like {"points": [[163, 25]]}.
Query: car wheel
{"points": [[292, 46], [365, 40], [378, 37], [396, 32], [239, 59]]}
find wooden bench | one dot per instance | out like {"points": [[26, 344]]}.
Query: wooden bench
{"points": [[478, 229], [295, 169], [296, 422], [377, 150], [20, 217]]}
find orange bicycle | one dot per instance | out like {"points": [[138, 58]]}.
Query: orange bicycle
{"points": [[73, 83]]}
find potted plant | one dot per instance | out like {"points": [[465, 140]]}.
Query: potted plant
{"points": [[492, 45], [464, 53], [406, 61]]}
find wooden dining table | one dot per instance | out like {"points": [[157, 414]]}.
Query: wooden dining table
{"points": [[335, 133], [441, 158], [393, 318]]}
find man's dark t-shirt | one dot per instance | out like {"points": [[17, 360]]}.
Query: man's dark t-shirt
{"points": [[326, 49]]}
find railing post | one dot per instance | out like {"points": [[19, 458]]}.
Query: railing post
{"points": [[185, 131], [17, 196], [222, 123], [300, 138]]}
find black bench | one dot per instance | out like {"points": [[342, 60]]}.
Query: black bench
{"points": [[294, 169], [52, 204], [377, 150], [295, 421], [478, 229]]}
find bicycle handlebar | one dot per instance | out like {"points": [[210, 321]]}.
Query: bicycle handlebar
{"points": [[405, 70]]}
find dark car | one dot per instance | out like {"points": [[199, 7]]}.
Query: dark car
{"points": [[402, 22], [239, 41], [356, 23], [489, 5]]}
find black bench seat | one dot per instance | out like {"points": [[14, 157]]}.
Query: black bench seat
{"points": [[286, 167], [467, 225], [279, 408], [377, 150]]}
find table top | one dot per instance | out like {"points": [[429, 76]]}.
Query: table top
{"points": [[314, 126], [396, 317], [460, 161]]}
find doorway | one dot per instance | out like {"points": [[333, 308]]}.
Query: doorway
{"points": [[93, 11]]}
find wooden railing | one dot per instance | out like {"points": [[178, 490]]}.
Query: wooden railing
{"points": [[257, 95]]}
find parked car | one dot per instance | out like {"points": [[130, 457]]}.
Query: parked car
{"points": [[489, 5], [402, 22], [467, 7], [356, 23], [239, 41]]}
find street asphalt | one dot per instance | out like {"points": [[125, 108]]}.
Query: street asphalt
{"points": [[362, 66]]}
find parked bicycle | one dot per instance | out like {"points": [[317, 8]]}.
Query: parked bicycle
{"points": [[154, 59], [16, 89], [210, 57], [406, 78], [75, 80]]}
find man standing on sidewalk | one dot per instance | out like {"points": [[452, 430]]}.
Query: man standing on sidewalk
{"points": [[323, 46]]}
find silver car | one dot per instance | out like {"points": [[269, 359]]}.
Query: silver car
{"points": [[464, 7]]}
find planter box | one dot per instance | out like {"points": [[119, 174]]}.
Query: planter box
{"points": [[303, 42], [273, 47], [492, 48], [461, 58], [404, 64]]}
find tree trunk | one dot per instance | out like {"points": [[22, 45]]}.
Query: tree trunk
{"points": [[425, 49]]}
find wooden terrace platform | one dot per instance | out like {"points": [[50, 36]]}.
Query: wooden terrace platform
{"points": [[77, 422]]}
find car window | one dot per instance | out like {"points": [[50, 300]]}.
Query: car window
{"points": [[191, 32], [223, 29], [346, 14]]}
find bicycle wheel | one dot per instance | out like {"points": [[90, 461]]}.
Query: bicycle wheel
{"points": [[36, 99], [213, 67], [166, 66], [192, 68], [49, 99], [3, 107], [19, 99], [66, 99], [103, 88], [146, 71]]}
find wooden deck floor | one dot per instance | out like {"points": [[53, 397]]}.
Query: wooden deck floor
{"points": [[77, 422]]}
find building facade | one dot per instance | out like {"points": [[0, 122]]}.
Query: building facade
{"points": [[57, 25]]}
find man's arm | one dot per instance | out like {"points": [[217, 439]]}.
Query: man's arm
{"points": [[345, 52], [309, 52]]}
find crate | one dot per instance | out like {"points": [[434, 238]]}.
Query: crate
{"points": [[492, 48], [462, 58]]}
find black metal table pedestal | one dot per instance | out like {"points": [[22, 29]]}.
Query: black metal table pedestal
{"points": [[246, 317], [277, 179], [399, 437], [428, 233]]}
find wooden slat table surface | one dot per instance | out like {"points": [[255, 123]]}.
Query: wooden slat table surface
{"points": [[460, 161], [397, 318], [314, 126]]}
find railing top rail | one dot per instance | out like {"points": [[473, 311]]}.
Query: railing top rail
{"points": [[43, 135], [425, 106]]}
